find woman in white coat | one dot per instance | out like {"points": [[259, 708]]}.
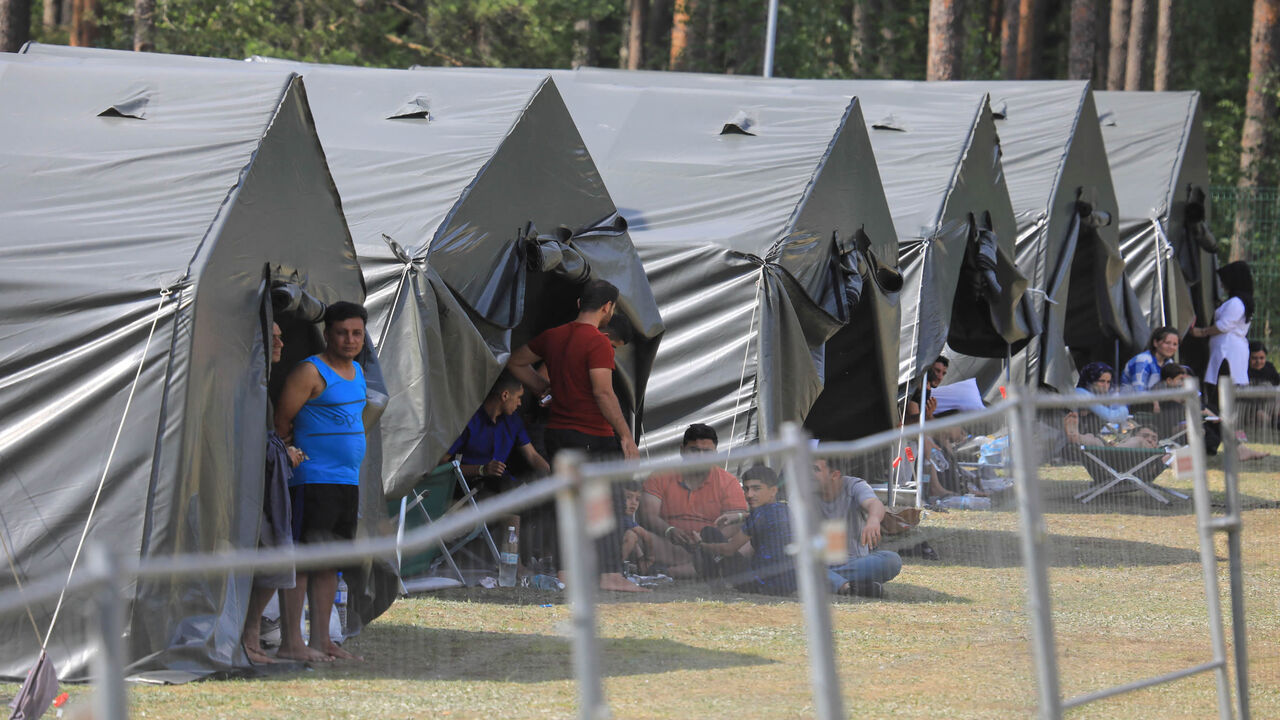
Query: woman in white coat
{"points": [[1229, 335]]}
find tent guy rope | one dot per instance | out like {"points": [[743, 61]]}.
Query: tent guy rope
{"points": [[102, 481]]}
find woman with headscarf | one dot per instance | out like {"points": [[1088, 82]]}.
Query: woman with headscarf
{"points": [[1095, 379], [1229, 333]]}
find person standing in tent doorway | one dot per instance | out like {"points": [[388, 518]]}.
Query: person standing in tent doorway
{"points": [[321, 408], [585, 414], [276, 530]]}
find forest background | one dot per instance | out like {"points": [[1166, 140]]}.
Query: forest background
{"points": [[1119, 44]]}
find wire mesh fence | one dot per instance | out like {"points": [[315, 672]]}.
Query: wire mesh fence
{"points": [[1048, 562], [1256, 213]]}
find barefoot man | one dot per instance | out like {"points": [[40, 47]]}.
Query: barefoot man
{"points": [[321, 408]]}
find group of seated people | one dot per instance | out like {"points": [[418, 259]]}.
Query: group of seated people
{"points": [[1145, 425], [734, 531], [707, 525]]}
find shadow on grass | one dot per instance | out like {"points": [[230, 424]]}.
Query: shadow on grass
{"points": [[406, 652], [1059, 499], [1002, 549]]}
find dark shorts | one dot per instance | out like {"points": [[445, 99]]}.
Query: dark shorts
{"points": [[324, 512]]}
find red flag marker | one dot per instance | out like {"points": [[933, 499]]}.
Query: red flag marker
{"points": [[1003, 395], [911, 457]]}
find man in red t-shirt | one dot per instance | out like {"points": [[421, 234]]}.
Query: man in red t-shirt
{"points": [[585, 413], [695, 517]]}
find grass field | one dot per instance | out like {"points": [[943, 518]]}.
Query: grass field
{"points": [[950, 640]]}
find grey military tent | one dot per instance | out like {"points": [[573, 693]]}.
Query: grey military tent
{"points": [[940, 158], [477, 214], [761, 224], [1068, 243], [940, 165], [144, 219], [1156, 147]]}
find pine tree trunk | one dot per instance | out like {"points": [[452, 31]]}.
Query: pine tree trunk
{"points": [[1139, 44], [1027, 40], [84, 14], [635, 36], [144, 25], [993, 21], [681, 29], [1259, 115], [1084, 39], [49, 17], [1009, 40], [15, 24], [1164, 44], [1100, 45], [584, 44], [1119, 44], [862, 38], [944, 40]]}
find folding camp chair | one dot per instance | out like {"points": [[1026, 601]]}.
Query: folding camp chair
{"points": [[430, 498], [1141, 468]]}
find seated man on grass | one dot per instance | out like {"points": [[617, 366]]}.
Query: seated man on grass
{"points": [[851, 499], [773, 571], [685, 513]]}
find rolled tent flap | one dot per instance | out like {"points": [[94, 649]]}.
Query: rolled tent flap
{"points": [[991, 314], [559, 253]]}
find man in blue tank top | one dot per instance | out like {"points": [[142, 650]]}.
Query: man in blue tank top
{"points": [[321, 409]]}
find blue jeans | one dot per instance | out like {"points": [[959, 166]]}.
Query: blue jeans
{"points": [[880, 566]]}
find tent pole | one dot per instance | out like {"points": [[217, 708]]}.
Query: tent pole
{"points": [[924, 388], [770, 38]]}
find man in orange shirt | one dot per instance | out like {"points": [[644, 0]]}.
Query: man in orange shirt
{"points": [[689, 514]]}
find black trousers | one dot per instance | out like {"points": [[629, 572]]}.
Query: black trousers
{"points": [[609, 545]]}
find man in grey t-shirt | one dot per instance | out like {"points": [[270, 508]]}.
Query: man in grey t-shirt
{"points": [[850, 498]]}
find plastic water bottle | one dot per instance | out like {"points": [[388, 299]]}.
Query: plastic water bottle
{"points": [[507, 559], [340, 602]]}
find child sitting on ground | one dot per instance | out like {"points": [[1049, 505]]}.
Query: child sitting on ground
{"points": [[773, 571], [637, 543]]}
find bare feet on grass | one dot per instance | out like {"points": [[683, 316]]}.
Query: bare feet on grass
{"points": [[617, 583], [304, 654], [1246, 453], [335, 651], [257, 656]]}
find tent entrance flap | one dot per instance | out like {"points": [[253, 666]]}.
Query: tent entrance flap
{"points": [[989, 317], [1091, 316]]}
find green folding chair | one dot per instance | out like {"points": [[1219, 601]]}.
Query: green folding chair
{"points": [[1140, 466], [429, 501]]}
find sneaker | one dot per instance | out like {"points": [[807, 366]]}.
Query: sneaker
{"points": [[867, 589], [269, 633]]}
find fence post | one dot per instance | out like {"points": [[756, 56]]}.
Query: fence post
{"points": [[577, 549], [811, 575], [1234, 528], [109, 662], [1021, 419], [1208, 558]]}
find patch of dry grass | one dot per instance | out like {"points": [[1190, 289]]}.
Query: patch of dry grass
{"points": [[951, 639]]}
